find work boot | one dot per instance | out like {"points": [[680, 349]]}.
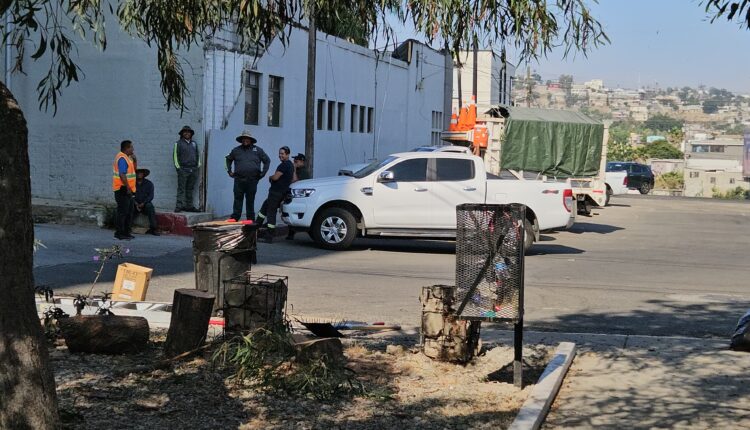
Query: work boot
{"points": [[268, 236], [152, 232], [178, 209]]}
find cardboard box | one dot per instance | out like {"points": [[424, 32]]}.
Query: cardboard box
{"points": [[131, 283]]}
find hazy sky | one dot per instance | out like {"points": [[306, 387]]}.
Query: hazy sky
{"points": [[669, 42], [664, 42]]}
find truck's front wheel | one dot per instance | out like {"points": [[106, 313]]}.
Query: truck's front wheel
{"points": [[334, 228]]}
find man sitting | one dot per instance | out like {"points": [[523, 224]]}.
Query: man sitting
{"points": [[144, 194]]}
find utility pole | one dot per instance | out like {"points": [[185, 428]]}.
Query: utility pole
{"points": [[310, 95], [474, 71], [529, 87]]}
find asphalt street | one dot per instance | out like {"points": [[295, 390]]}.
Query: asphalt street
{"points": [[644, 265]]}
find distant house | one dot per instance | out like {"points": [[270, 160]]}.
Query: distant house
{"points": [[713, 165]]}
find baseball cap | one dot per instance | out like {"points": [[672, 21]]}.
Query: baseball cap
{"points": [[300, 156]]}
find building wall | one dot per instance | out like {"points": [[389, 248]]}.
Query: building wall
{"points": [[405, 99], [493, 80], [701, 183], [118, 97]]}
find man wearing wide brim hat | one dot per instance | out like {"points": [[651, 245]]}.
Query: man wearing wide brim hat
{"points": [[187, 162], [247, 164], [144, 195]]}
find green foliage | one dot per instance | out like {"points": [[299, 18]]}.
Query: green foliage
{"points": [[661, 122], [737, 193], [620, 151], [265, 359], [711, 106], [532, 27], [659, 149], [671, 181]]}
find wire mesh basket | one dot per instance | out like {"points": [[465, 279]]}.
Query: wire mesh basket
{"points": [[255, 301], [490, 261]]}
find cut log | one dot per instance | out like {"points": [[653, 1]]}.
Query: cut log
{"points": [[443, 337], [109, 334], [191, 311], [329, 350]]}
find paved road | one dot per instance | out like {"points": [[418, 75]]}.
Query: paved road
{"points": [[645, 265]]}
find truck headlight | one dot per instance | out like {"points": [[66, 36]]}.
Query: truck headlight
{"points": [[302, 192]]}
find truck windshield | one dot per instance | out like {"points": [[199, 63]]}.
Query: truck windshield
{"points": [[375, 165]]}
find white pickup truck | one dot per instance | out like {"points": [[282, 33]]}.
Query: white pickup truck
{"points": [[415, 194], [617, 184]]}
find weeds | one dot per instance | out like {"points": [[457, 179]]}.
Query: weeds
{"points": [[266, 359]]}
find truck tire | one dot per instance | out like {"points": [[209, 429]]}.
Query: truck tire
{"points": [[334, 228], [644, 188], [608, 196], [528, 238]]}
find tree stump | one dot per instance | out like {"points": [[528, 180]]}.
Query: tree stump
{"points": [[105, 334], [191, 311], [444, 337]]}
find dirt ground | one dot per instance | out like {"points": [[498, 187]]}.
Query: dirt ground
{"points": [[407, 391]]}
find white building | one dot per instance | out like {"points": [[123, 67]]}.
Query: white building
{"points": [[494, 84], [367, 106]]}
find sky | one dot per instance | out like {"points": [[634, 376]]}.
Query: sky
{"points": [[658, 43]]}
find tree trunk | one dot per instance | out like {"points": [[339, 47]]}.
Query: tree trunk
{"points": [[27, 387], [191, 311], [105, 334]]}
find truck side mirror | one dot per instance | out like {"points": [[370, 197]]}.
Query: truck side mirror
{"points": [[386, 176]]}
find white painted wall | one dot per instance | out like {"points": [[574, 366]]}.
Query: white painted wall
{"points": [[118, 97], [490, 74], [403, 97]]}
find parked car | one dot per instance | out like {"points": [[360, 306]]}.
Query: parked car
{"points": [[617, 184], [415, 194], [640, 177]]}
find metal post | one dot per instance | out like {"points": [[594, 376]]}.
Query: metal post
{"points": [[8, 47], [310, 95]]}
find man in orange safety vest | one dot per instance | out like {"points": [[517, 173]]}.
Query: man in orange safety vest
{"points": [[123, 184]]}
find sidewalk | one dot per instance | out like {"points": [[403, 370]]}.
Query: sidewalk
{"points": [[632, 382]]}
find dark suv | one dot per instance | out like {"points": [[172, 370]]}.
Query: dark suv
{"points": [[640, 176]]}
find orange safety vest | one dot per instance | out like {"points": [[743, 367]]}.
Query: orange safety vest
{"points": [[116, 181]]}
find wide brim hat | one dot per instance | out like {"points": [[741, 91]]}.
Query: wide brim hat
{"points": [[146, 172], [247, 134], [186, 128]]}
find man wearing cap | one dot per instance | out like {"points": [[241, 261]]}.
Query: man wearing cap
{"points": [[187, 161], [123, 185], [280, 181], [251, 163], [144, 194]]}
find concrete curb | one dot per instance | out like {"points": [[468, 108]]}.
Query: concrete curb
{"points": [[535, 409]]}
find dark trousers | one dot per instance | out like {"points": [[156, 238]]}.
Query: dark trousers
{"points": [[187, 177], [124, 213], [271, 206], [148, 210], [244, 189]]}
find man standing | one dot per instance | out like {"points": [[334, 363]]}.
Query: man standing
{"points": [[250, 164], [186, 161], [144, 194], [280, 181], [300, 174], [123, 184]]}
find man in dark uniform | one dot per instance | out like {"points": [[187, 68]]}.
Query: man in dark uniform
{"points": [[300, 174], [280, 181], [250, 164], [187, 163], [144, 194]]}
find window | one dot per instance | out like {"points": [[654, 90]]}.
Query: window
{"points": [[712, 180], [331, 113], [321, 112], [370, 119], [450, 169], [694, 174], [437, 127], [252, 97], [341, 121], [353, 119], [414, 170], [731, 181], [275, 84], [362, 114]]}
